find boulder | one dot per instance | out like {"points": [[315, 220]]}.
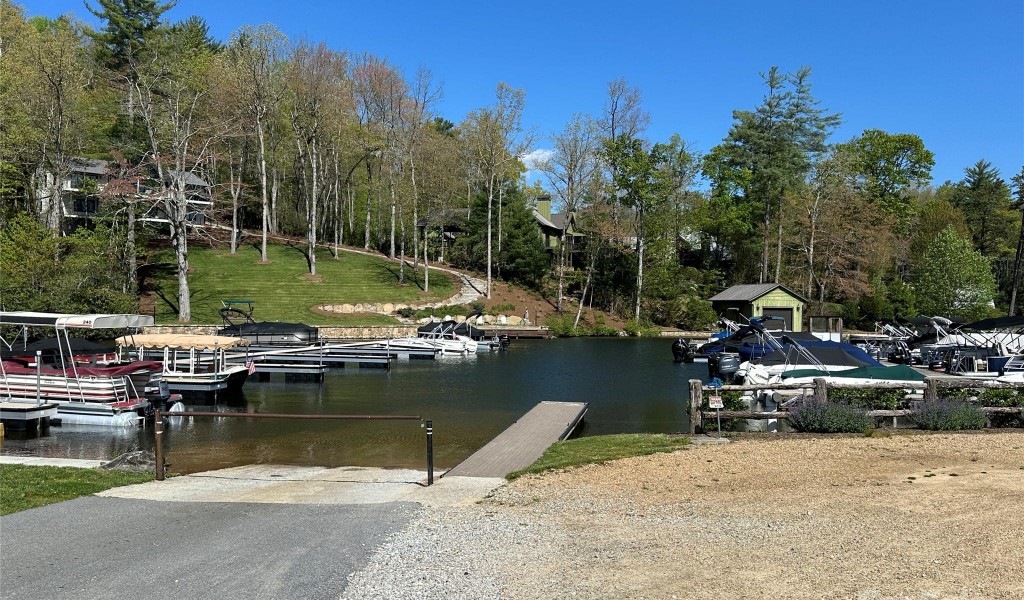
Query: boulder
{"points": [[514, 320]]}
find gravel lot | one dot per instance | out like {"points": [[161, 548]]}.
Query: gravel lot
{"points": [[908, 516]]}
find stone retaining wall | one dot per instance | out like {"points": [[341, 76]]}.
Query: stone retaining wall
{"points": [[375, 332]]}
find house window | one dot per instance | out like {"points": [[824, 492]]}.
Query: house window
{"points": [[87, 205]]}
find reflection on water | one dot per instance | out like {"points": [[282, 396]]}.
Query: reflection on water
{"points": [[632, 386]]}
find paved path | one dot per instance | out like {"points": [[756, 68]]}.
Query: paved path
{"points": [[259, 531]]}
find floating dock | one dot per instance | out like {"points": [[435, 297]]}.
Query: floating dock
{"points": [[524, 441], [26, 416]]}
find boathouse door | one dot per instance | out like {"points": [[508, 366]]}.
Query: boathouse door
{"points": [[787, 315]]}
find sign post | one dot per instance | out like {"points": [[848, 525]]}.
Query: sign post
{"points": [[715, 402]]}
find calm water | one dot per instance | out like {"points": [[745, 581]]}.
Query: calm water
{"points": [[632, 386]]}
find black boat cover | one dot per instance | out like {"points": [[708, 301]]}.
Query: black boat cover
{"points": [[463, 328], [996, 323], [272, 332]]}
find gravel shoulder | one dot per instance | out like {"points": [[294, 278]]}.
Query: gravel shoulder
{"points": [[906, 516]]}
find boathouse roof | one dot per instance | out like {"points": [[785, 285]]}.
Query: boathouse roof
{"points": [[749, 292]]}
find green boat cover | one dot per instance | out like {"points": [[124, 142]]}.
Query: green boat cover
{"points": [[895, 373]]}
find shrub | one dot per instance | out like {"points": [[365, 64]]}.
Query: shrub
{"points": [[1001, 397], [503, 308], [406, 312], [870, 399], [561, 325], [813, 416], [641, 328], [731, 401], [948, 415]]}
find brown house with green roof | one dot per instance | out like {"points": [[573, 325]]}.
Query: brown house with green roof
{"points": [[762, 300]]}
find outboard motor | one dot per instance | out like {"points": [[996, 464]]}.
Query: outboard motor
{"points": [[723, 366], [682, 352]]}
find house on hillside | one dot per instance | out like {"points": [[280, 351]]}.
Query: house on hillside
{"points": [[557, 229], [762, 300], [82, 195]]}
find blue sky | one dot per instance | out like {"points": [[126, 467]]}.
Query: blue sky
{"points": [[949, 71]]}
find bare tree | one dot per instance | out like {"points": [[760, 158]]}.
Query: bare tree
{"points": [[497, 141], [572, 167], [315, 80], [172, 90], [257, 55]]}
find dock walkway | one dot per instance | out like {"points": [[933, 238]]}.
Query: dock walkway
{"points": [[524, 441]]}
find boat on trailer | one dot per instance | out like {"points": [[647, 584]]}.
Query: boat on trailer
{"points": [[97, 394]]}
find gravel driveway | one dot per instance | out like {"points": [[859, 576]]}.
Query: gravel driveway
{"points": [[903, 517]]}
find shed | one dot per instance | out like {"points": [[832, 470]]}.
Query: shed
{"points": [[763, 300]]}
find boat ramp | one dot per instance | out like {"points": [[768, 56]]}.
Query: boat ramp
{"points": [[524, 441]]}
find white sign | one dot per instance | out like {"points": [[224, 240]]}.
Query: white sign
{"points": [[716, 402]]}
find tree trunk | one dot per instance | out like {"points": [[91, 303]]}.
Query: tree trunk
{"points": [[394, 202], [263, 187], [369, 187], [179, 242], [311, 208], [1018, 259], [586, 286], [778, 245], [490, 203], [426, 262], [401, 254], [131, 251], [275, 187], [415, 215], [561, 272]]}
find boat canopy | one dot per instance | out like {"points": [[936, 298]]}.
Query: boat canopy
{"points": [[272, 331], [444, 327], [180, 341], [896, 373], [71, 321], [996, 323]]}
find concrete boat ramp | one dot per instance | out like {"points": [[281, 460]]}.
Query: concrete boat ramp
{"points": [[257, 531]]}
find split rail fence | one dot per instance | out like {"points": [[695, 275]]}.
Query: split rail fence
{"points": [[819, 391]]}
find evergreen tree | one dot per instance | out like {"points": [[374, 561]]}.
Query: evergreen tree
{"points": [[984, 199], [128, 22]]}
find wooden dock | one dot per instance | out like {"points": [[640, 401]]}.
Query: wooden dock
{"points": [[524, 441], [26, 416]]}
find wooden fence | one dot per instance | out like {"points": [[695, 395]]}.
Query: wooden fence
{"points": [[819, 390]]}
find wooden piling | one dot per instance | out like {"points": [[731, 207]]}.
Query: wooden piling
{"points": [[931, 389], [696, 398], [820, 390]]}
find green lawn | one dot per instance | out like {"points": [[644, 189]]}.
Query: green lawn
{"points": [[601, 448], [23, 487], [282, 288]]}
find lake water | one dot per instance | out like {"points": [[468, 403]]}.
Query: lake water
{"points": [[632, 386]]}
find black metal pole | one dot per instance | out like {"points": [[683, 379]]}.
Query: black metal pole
{"points": [[430, 453], [159, 428]]}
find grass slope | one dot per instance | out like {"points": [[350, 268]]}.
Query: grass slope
{"points": [[23, 487], [282, 288]]}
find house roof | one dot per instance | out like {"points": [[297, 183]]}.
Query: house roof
{"points": [[752, 291], [190, 178], [94, 166], [543, 221]]}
